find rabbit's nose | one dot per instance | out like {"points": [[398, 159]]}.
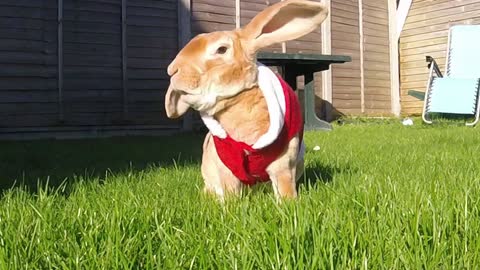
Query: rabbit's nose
{"points": [[172, 69]]}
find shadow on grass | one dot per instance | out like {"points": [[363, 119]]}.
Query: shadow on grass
{"points": [[317, 173], [33, 163]]}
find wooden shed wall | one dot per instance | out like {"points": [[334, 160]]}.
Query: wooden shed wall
{"points": [[376, 63], [360, 29], [93, 83], [346, 78], [425, 33]]}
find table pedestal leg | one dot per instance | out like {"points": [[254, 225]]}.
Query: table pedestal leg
{"points": [[312, 122]]}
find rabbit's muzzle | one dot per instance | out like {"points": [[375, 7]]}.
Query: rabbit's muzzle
{"points": [[185, 82]]}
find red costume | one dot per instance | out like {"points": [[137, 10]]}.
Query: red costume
{"points": [[249, 164]]}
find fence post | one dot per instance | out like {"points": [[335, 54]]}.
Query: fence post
{"points": [[60, 59], [326, 30], [362, 63], [184, 35], [394, 56], [124, 60]]}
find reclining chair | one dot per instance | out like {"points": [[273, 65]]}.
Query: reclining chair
{"points": [[457, 92]]}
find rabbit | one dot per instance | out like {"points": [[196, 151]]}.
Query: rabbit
{"points": [[254, 118]]}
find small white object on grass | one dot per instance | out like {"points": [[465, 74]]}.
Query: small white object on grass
{"points": [[407, 122], [316, 148]]}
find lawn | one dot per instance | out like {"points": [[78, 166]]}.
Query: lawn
{"points": [[375, 196]]}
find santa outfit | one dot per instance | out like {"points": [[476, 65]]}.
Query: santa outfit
{"points": [[249, 162]]}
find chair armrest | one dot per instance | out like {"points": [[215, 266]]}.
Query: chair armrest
{"points": [[431, 62]]}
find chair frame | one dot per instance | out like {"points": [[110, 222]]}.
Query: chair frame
{"points": [[433, 68]]}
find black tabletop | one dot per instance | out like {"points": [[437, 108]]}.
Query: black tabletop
{"points": [[300, 59]]}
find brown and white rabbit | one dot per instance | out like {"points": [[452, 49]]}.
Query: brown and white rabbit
{"points": [[254, 118]]}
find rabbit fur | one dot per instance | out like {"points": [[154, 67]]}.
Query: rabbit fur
{"points": [[217, 75]]}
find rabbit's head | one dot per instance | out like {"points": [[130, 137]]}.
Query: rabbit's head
{"points": [[219, 65]]}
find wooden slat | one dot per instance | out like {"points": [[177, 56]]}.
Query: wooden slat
{"points": [[445, 19], [415, 71], [438, 5], [164, 5], [341, 29], [74, 83], [212, 17], [15, 83], [92, 6], [27, 34], [421, 56], [420, 63], [29, 3], [90, 16], [93, 106], [369, 39], [29, 120], [375, 33], [151, 42], [27, 12], [376, 48], [27, 71], [167, 11], [347, 20], [161, 22], [206, 26], [380, 93], [346, 105], [381, 14], [337, 6], [91, 38], [377, 74], [350, 38], [375, 66], [25, 108], [425, 50], [28, 95], [422, 43], [92, 49], [92, 27], [147, 95], [377, 57], [377, 82], [376, 30], [443, 9], [24, 23], [151, 31]]}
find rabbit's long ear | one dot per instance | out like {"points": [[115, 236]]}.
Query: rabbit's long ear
{"points": [[174, 105], [283, 21]]}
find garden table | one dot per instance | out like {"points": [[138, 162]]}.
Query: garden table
{"points": [[295, 64]]}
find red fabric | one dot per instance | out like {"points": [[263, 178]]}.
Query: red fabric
{"points": [[250, 168]]}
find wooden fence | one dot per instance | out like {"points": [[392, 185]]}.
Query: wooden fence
{"points": [[97, 66], [71, 65]]}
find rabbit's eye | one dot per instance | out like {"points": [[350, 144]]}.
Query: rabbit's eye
{"points": [[222, 50]]}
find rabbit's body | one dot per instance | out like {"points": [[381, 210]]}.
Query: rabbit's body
{"points": [[217, 75], [244, 117], [266, 118]]}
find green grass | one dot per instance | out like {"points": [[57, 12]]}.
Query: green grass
{"points": [[376, 196]]}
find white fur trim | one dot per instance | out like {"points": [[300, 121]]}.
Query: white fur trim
{"points": [[213, 125], [272, 91]]}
